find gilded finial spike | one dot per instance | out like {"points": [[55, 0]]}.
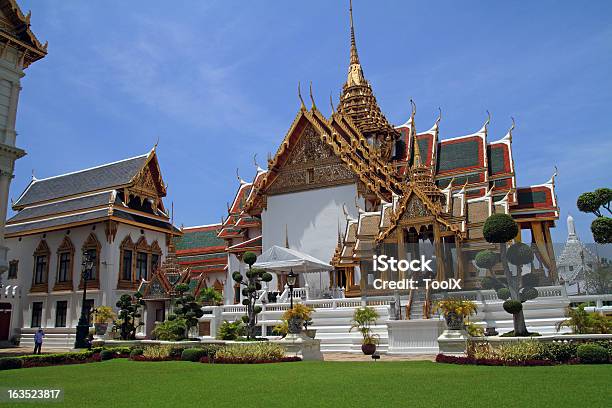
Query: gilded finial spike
{"points": [[240, 180], [413, 108], [354, 56], [439, 116], [331, 103], [302, 105], [28, 17], [314, 105], [255, 160]]}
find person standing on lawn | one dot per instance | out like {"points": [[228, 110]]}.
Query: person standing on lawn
{"points": [[38, 340]]}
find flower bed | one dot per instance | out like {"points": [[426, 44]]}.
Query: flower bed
{"points": [[442, 358], [533, 353], [251, 353], [250, 361]]}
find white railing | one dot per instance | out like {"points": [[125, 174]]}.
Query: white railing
{"points": [[551, 291]]}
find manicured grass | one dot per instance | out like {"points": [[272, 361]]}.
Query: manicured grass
{"points": [[124, 383]]}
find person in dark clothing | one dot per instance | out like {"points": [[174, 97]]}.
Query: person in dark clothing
{"points": [[38, 340]]}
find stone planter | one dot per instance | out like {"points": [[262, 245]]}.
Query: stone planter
{"points": [[368, 349], [100, 328], [311, 333], [295, 325], [454, 321]]}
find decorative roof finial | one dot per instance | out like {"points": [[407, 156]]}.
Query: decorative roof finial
{"points": [[509, 134], [354, 56], [415, 142], [240, 180], [302, 105], [439, 116], [552, 179], [156, 143], [314, 105], [331, 103], [33, 176], [259, 169]]}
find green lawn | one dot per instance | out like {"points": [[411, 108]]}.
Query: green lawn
{"points": [[124, 383]]}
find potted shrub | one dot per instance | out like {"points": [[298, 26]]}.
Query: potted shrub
{"points": [[296, 316], [103, 315], [363, 318], [211, 297], [455, 311]]}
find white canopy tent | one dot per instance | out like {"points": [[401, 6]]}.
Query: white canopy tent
{"points": [[280, 260]]}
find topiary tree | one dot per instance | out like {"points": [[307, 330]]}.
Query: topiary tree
{"points": [[186, 308], [500, 229], [129, 311], [593, 202], [254, 278], [487, 259], [602, 230]]}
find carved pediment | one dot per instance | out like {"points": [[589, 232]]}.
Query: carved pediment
{"points": [[145, 184], [415, 208], [310, 164]]}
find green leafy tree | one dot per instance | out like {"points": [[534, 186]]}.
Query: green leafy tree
{"points": [[128, 317], [252, 283], [211, 296], [171, 330], [186, 308], [593, 202]]}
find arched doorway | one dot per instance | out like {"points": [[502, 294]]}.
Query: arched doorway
{"points": [[5, 321]]}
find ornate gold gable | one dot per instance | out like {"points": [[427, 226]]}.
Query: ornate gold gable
{"points": [[310, 164]]}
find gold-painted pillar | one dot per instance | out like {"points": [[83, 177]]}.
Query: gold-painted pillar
{"points": [[460, 271], [551, 253], [440, 273]]}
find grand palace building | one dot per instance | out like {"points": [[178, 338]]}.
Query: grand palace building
{"points": [[344, 186], [339, 189]]}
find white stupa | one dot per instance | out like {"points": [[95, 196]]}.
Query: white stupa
{"points": [[575, 260]]}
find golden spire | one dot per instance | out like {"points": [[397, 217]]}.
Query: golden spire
{"points": [[417, 151], [355, 74], [354, 56]]}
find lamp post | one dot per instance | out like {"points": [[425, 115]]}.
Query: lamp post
{"points": [[291, 278], [82, 331]]}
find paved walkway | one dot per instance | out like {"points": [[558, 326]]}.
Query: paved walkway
{"points": [[383, 357]]}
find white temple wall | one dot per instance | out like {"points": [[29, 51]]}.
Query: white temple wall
{"points": [[311, 219], [23, 251]]}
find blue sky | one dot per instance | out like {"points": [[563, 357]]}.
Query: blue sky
{"points": [[216, 82]]}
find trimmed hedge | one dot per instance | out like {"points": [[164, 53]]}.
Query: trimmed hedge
{"points": [[442, 358], [592, 354], [192, 354], [107, 355], [10, 363], [532, 352]]}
